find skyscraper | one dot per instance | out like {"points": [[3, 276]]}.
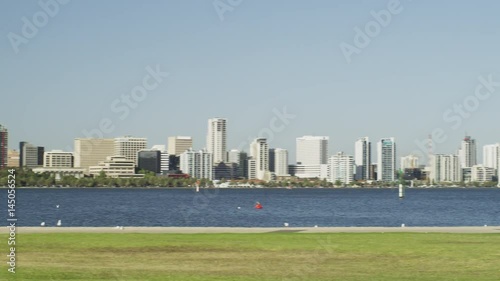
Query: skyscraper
{"points": [[217, 139], [386, 160], [178, 144], [491, 154], [363, 158], [4, 146], [90, 152], [341, 168], [129, 147], [272, 160], [150, 160], [468, 152], [281, 162], [259, 151], [164, 158]]}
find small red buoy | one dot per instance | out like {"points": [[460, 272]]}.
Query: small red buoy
{"points": [[258, 205]]}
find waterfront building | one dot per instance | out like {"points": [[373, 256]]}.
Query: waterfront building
{"points": [[445, 168], [58, 159], [30, 156], [386, 160], [311, 152], [13, 158], [217, 139], [129, 147], [164, 158], [409, 162], [178, 144], [280, 162], [341, 168], [259, 151], [197, 164], [150, 160], [272, 160], [468, 152], [115, 167], [91, 151], [363, 158], [481, 173], [491, 154], [4, 146]]}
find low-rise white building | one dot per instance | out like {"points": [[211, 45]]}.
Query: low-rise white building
{"points": [[481, 173], [58, 159]]}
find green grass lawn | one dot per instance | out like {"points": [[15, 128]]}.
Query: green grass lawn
{"points": [[270, 256]]}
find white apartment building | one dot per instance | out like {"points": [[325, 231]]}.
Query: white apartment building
{"points": [[197, 164], [491, 155], [481, 173], [217, 139], [341, 168], [445, 168], [409, 162], [281, 162], [259, 151]]}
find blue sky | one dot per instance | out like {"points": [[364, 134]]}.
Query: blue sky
{"points": [[263, 55]]}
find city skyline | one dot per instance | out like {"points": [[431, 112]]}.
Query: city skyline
{"points": [[398, 85]]}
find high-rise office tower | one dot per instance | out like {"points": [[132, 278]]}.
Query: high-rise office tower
{"points": [[30, 156], [281, 162], [312, 150], [272, 160], [259, 151], [363, 158], [217, 138], [150, 160], [4, 146], [164, 158], [129, 147], [311, 153], [90, 152], [178, 144], [386, 160], [341, 168], [468, 152]]}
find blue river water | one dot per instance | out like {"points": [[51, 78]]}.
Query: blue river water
{"points": [[234, 207]]}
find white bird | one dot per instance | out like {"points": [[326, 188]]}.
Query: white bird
{"points": [[58, 223], [121, 227], [239, 208], [285, 224], [316, 226], [403, 225], [42, 224], [485, 225], [57, 206]]}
